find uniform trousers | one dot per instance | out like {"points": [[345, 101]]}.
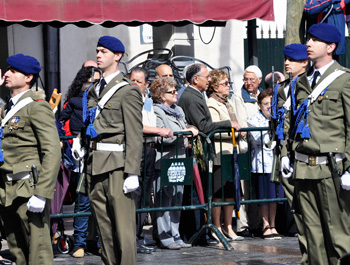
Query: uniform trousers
{"points": [[28, 233], [288, 187], [114, 213], [168, 222], [327, 225]]}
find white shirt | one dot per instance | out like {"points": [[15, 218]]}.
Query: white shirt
{"points": [[17, 97], [259, 120], [322, 70], [107, 79]]}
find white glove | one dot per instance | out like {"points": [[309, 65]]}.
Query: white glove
{"points": [[77, 151], [286, 169], [345, 181], [36, 204], [268, 142], [131, 183]]}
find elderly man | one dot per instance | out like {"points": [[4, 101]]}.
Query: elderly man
{"points": [[322, 149], [113, 165], [30, 154], [197, 113], [295, 63], [140, 77]]}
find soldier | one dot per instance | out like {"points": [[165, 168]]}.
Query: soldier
{"points": [[295, 63], [322, 149], [113, 164], [30, 163]]}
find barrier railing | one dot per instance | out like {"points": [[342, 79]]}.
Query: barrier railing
{"points": [[179, 171]]}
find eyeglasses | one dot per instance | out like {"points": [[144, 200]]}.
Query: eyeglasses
{"points": [[171, 92], [227, 83], [249, 79], [206, 77]]}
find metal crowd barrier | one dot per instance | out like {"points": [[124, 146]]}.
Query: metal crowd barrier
{"points": [[170, 175]]}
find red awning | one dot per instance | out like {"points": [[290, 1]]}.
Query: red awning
{"points": [[132, 12]]}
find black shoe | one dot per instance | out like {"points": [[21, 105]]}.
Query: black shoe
{"points": [[212, 242], [144, 250], [245, 233]]}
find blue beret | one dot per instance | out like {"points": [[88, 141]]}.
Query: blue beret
{"points": [[295, 51], [325, 32], [111, 43], [24, 64]]}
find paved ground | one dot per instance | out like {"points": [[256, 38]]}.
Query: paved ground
{"points": [[251, 251]]}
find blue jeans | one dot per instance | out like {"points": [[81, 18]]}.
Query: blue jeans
{"points": [[82, 204]]}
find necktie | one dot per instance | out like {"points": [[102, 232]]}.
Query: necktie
{"points": [[102, 85], [9, 106], [316, 74]]}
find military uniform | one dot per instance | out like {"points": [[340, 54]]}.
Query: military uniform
{"points": [[288, 184], [324, 204], [29, 138], [120, 122]]}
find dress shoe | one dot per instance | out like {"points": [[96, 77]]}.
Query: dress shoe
{"points": [[79, 252], [212, 242], [184, 245], [173, 246], [245, 233], [149, 242], [232, 238], [5, 262]]}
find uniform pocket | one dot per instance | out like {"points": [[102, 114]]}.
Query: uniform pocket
{"points": [[329, 106]]}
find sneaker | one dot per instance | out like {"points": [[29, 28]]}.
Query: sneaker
{"points": [[79, 252], [184, 245], [173, 246]]}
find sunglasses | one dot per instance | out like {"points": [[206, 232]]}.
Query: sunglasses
{"points": [[227, 83], [171, 92]]}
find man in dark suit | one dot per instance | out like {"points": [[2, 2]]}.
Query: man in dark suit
{"points": [[194, 105], [193, 101]]}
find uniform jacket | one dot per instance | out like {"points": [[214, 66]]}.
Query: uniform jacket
{"points": [[32, 141], [328, 120], [195, 108], [120, 122], [169, 145]]}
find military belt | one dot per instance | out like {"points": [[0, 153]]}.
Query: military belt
{"points": [[316, 160], [18, 176], [106, 147]]}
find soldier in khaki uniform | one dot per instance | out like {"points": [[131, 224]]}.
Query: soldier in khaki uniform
{"points": [[115, 155], [295, 62], [321, 133], [29, 137]]}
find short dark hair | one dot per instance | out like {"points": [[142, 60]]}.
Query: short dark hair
{"points": [[34, 79], [141, 70], [193, 70], [263, 94]]}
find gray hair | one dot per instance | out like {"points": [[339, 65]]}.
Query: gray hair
{"points": [[254, 69]]}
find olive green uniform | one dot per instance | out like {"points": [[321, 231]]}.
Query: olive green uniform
{"points": [[326, 221], [120, 122], [288, 184], [29, 138]]}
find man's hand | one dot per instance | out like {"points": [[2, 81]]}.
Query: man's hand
{"points": [[131, 183], [345, 181], [286, 169], [36, 204], [166, 132], [77, 151], [235, 125]]}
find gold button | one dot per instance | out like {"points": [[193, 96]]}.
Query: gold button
{"points": [[285, 127], [336, 149], [109, 105], [286, 116], [117, 142], [27, 166], [306, 140], [98, 117], [326, 96]]}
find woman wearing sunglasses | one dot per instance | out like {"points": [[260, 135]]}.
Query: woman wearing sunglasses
{"points": [[169, 115], [221, 108]]}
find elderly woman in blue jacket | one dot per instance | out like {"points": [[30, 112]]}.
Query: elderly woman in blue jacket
{"points": [[169, 115]]}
